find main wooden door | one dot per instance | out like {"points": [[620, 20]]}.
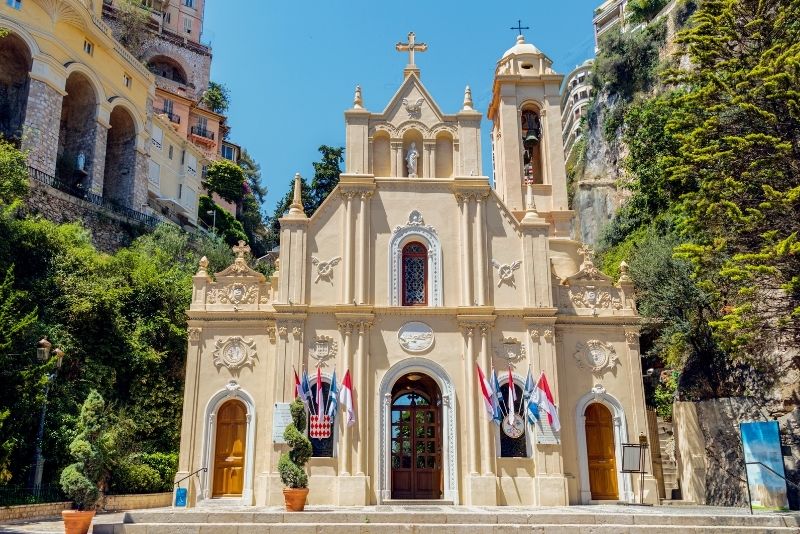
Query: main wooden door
{"points": [[600, 450], [416, 454], [229, 450]]}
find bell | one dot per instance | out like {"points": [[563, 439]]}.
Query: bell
{"points": [[531, 138]]}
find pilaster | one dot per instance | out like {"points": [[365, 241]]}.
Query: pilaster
{"points": [[41, 127]]}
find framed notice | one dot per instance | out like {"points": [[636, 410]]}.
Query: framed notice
{"points": [[761, 442], [281, 417], [631, 458], [545, 435]]}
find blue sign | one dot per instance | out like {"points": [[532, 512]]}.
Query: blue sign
{"points": [[763, 458], [180, 497]]}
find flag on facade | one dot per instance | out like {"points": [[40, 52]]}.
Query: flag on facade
{"points": [[320, 406], [305, 391], [530, 400], [498, 398], [333, 397], [512, 393], [546, 403], [346, 398], [486, 391], [296, 384]]}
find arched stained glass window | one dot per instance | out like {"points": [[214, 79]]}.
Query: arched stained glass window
{"points": [[415, 274]]}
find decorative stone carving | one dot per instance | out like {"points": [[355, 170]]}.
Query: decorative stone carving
{"points": [[591, 297], [236, 293], [272, 332], [325, 268], [322, 349], [505, 272], [415, 336], [194, 333], [597, 355], [598, 391], [415, 228], [534, 335], [232, 386], [631, 337], [511, 349], [234, 352], [203, 267], [548, 335], [414, 109]]}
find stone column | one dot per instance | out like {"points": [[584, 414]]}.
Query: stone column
{"points": [[397, 158], [487, 428], [472, 392], [362, 394], [480, 226], [466, 252], [138, 197], [363, 253], [345, 445], [544, 149], [427, 170], [347, 286], [433, 162], [41, 126], [98, 165]]}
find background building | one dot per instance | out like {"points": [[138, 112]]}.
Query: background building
{"points": [[608, 15], [576, 94]]}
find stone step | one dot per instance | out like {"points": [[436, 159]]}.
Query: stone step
{"points": [[450, 528]]}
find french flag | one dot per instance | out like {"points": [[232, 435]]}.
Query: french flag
{"points": [[487, 392], [346, 399], [545, 402]]}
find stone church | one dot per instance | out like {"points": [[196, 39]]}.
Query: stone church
{"points": [[414, 271]]}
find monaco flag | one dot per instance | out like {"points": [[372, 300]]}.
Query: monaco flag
{"points": [[545, 402], [346, 399], [487, 392]]}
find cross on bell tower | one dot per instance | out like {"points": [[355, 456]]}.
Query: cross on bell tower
{"points": [[411, 46]]}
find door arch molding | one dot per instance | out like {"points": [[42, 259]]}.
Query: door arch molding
{"points": [[449, 443]]}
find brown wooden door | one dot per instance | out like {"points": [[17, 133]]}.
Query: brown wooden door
{"points": [[600, 450], [416, 453], [229, 450]]}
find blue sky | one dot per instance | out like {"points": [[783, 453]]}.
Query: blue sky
{"points": [[292, 66]]}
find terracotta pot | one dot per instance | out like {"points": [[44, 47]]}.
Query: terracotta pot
{"points": [[77, 522], [295, 499]]}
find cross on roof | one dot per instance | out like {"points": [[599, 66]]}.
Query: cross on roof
{"points": [[411, 46], [241, 249], [519, 27]]}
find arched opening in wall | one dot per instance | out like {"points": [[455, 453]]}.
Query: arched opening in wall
{"points": [[412, 154], [600, 451], [120, 170], [230, 445], [77, 132], [531, 126], [513, 441], [168, 68], [381, 155], [444, 156], [415, 274], [416, 438], [16, 62]]}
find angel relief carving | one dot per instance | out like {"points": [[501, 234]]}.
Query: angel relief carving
{"points": [[414, 109], [505, 272], [325, 268]]}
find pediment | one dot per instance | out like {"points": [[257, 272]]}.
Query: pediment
{"points": [[412, 103]]}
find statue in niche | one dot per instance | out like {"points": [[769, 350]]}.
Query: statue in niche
{"points": [[411, 160], [80, 162]]}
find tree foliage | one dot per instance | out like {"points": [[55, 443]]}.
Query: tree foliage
{"points": [[216, 97], [643, 10], [13, 173], [226, 179], [221, 221], [130, 27]]}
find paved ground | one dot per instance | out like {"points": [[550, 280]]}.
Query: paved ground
{"points": [[52, 525]]}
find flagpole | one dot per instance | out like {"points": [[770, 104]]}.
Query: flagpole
{"points": [[500, 393]]}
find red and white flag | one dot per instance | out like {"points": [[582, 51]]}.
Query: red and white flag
{"points": [[512, 394], [546, 402], [320, 409], [487, 392], [296, 384], [346, 399]]}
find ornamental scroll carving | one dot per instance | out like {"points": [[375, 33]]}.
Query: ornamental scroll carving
{"points": [[234, 352], [510, 349], [235, 293], [597, 355]]}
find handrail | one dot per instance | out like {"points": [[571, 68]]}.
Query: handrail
{"points": [[204, 469], [771, 470]]}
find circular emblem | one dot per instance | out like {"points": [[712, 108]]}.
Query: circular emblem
{"points": [[513, 425], [415, 336], [597, 357], [233, 354]]}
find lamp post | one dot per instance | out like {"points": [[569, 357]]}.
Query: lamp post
{"points": [[214, 221], [43, 355]]}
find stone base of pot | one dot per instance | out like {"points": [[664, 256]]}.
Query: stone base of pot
{"points": [[76, 521], [295, 499]]}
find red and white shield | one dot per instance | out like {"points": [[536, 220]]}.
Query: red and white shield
{"points": [[320, 426]]}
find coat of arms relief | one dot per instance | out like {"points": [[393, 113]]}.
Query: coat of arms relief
{"points": [[596, 355]]}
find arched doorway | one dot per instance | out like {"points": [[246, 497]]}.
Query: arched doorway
{"points": [[77, 131], [416, 438], [600, 452], [168, 68], [120, 158], [229, 450], [14, 85]]}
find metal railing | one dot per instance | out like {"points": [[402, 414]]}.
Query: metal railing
{"points": [[93, 198], [170, 115], [190, 475], [18, 495], [202, 132]]}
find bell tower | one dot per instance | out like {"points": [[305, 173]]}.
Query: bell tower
{"points": [[527, 150]]}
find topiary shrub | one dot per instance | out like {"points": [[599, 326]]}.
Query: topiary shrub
{"points": [[82, 480], [292, 463]]}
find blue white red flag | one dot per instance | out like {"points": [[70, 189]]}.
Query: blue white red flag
{"points": [[529, 397]]}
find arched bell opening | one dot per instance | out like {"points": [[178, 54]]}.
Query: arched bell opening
{"points": [[531, 128]]}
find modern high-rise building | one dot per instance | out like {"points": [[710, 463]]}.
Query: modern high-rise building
{"points": [[576, 93]]}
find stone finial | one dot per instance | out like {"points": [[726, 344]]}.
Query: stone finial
{"points": [[623, 272], [203, 270], [296, 207], [358, 102], [520, 39], [468, 98]]}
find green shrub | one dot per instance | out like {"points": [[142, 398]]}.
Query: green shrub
{"points": [[291, 464], [131, 477], [82, 491], [13, 173], [226, 179]]}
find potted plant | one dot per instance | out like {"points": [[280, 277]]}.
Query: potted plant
{"points": [[292, 463], [83, 481]]}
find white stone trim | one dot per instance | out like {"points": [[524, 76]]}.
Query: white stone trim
{"points": [[231, 391], [599, 395], [449, 439], [415, 230]]}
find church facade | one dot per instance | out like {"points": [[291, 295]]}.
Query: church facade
{"points": [[414, 272]]}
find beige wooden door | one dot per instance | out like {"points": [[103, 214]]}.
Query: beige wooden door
{"points": [[229, 450], [600, 450]]}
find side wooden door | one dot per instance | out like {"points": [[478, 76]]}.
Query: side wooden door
{"points": [[600, 452], [229, 450]]}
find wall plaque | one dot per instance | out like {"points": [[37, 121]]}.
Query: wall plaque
{"points": [[281, 417]]}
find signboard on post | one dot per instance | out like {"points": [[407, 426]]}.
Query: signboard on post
{"points": [[281, 417], [766, 482], [180, 497]]}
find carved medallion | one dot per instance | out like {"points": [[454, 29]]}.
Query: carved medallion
{"points": [[505, 272], [323, 349], [415, 336], [325, 268], [596, 355], [234, 352], [511, 349]]}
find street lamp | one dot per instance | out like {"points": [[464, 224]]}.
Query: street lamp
{"points": [[43, 354], [214, 222]]}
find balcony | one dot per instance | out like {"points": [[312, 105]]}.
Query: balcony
{"points": [[170, 115], [202, 132]]}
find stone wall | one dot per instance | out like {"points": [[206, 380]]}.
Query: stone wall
{"points": [[109, 230], [113, 503], [33, 511], [196, 64], [40, 133], [709, 451]]}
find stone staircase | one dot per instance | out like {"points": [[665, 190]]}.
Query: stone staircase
{"points": [[669, 466], [432, 519]]}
